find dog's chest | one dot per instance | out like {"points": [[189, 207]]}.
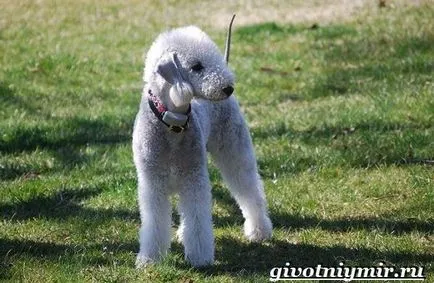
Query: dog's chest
{"points": [[177, 151]]}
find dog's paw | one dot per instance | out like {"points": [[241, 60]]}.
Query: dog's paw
{"points": [[199, 261], [258, 231], [143, 261], [199, 252]]}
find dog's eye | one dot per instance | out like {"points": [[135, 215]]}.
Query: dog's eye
{"points": [[197, 67]]}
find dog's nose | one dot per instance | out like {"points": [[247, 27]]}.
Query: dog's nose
{"points": [[228, 90]]}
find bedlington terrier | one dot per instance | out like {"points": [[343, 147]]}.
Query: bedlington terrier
{"points": [[186, 110]]}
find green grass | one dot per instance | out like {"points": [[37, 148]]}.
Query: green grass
{"points": [[342, 118]]}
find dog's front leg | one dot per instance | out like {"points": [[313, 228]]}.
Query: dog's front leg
{"points": [[155, 213], [196, 221]]}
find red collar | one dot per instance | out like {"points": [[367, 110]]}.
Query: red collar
{"points": [[165, 116]]}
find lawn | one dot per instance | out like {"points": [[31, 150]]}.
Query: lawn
{"points": [[341, 114]]}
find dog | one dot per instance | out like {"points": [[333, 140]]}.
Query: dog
{"points": [[187, 109]]}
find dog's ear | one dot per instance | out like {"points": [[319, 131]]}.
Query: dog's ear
{"points": [[181, 91], [171, 70]]}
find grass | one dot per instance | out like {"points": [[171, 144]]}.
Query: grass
{"points": [[342, 118]]}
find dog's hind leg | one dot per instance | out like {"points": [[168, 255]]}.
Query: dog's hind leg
{"points": [[234, 156], [155, 213]]}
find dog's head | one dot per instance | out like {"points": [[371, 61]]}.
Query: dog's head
{"points": [[187, 59]]}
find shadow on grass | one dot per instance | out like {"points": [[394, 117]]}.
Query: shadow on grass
{"points": [[382, 224], [362, 145], [66, 133], [9, 100], [233, 256], [63, 204], [101, 254], [66, 204], [64, 138], [236, 256]]}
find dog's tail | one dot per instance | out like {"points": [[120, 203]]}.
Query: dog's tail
{"points": [[228, 40]]}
